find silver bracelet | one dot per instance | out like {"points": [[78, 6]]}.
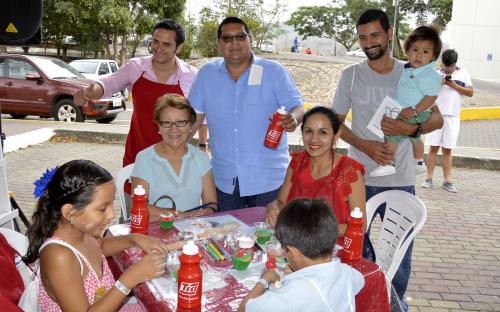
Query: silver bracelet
{"points": [[122, 288], [264, 283]]}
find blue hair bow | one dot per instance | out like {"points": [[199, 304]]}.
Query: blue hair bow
{"points": [[41, 184]]}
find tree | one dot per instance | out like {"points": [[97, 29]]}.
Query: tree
{"points": [[325, 22], [94, 24], [59, 18], [207, 33], [438, 10], [143, 25], [262, 19], [337, 21], [190, 29]]}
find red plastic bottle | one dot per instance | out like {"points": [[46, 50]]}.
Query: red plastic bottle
{"points": [[353, 237], [139, 212], [275, 131], [189, 279]]}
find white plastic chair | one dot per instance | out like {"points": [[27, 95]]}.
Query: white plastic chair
{"points": [[20, 243], [122, 176], [405, 215]]}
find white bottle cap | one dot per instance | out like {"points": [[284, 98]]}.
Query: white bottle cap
{"points": [[282, 110], [139, 190], [190, 248], [356, 213]]}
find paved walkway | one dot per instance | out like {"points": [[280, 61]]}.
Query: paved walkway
{"points": [[456, 255]]}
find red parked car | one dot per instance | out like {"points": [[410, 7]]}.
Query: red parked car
{"points": [[44, 86]]}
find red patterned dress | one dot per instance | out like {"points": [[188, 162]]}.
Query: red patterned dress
{"points": [[334, 188], [91, 283]]}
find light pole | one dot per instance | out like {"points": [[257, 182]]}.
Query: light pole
{"points": [[394, 29]]}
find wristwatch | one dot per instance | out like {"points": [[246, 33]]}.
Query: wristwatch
{"points": [[264, 283], [417, 132], [122, 288]]}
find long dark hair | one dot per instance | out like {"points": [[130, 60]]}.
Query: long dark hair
{"points": [[73, 183]]}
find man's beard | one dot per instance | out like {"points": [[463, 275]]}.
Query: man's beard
{"points": [[377, 54]]}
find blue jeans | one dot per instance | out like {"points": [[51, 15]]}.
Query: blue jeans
{"points": [[402, 276], [235, 201]]}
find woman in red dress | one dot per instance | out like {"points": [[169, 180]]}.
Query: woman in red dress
{"points": [[319, 172]]}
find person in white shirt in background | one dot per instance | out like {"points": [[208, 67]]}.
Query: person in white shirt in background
{"points": [[456, 83]]}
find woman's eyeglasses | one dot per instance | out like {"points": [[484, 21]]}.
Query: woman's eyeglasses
{"points": [[237, 37], [169, 124]]}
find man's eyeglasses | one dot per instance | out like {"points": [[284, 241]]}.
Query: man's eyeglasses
{"points": [[178, 123], [237, 37]]}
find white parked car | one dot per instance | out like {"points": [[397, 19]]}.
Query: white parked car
{"points": [[96, 68], [267, 47], [358, 53]]}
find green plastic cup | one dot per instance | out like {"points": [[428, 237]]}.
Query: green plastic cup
{"points": [[263, 232]]}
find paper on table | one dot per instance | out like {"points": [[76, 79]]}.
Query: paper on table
{"points": [[210, 226], [165, 287], [388, 107], [250, 276]]}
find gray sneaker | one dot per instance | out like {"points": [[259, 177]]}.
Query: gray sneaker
{"points": [[427, 183], [449, 187]]}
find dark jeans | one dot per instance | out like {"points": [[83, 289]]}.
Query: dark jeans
{"points": [[235, 201], [402, 276]]}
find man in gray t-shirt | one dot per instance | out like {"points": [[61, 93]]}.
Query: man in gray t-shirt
{"points": [[362, 88]]}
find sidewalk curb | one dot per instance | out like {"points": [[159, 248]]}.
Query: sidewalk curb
{"points": [[26, 139], [459, 160], [479, 113], [93, 136]]}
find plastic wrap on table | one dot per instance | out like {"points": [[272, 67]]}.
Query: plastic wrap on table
{"points": [[211, 226], [373, 297], [207, 253], [165, 287], [227, 298], [250, 276]]}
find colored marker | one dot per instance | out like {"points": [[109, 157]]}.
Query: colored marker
{"points": [[212, 254], [210, 245], [220, 249]]}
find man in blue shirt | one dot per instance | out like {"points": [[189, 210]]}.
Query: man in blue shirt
{"points": [[237, 94], [296, 44]]}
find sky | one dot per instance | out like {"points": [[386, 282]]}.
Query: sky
{"points": [[196, 5]]}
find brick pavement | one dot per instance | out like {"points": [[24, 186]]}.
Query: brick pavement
{"points": [[27, 165], [479, 133], [456, 255]]}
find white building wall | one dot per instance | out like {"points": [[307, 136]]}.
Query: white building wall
{"points": [[475, 35]]}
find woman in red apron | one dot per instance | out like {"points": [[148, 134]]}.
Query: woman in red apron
{"points": [[319, 172]]}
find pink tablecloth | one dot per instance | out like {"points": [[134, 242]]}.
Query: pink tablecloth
{"points": [[372, 298]]}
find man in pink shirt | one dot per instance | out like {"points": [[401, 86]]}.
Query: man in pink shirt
{"points": [[150, 77]]}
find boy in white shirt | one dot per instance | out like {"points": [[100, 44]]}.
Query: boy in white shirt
{"points": [[455, 84], [307, 230]]}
